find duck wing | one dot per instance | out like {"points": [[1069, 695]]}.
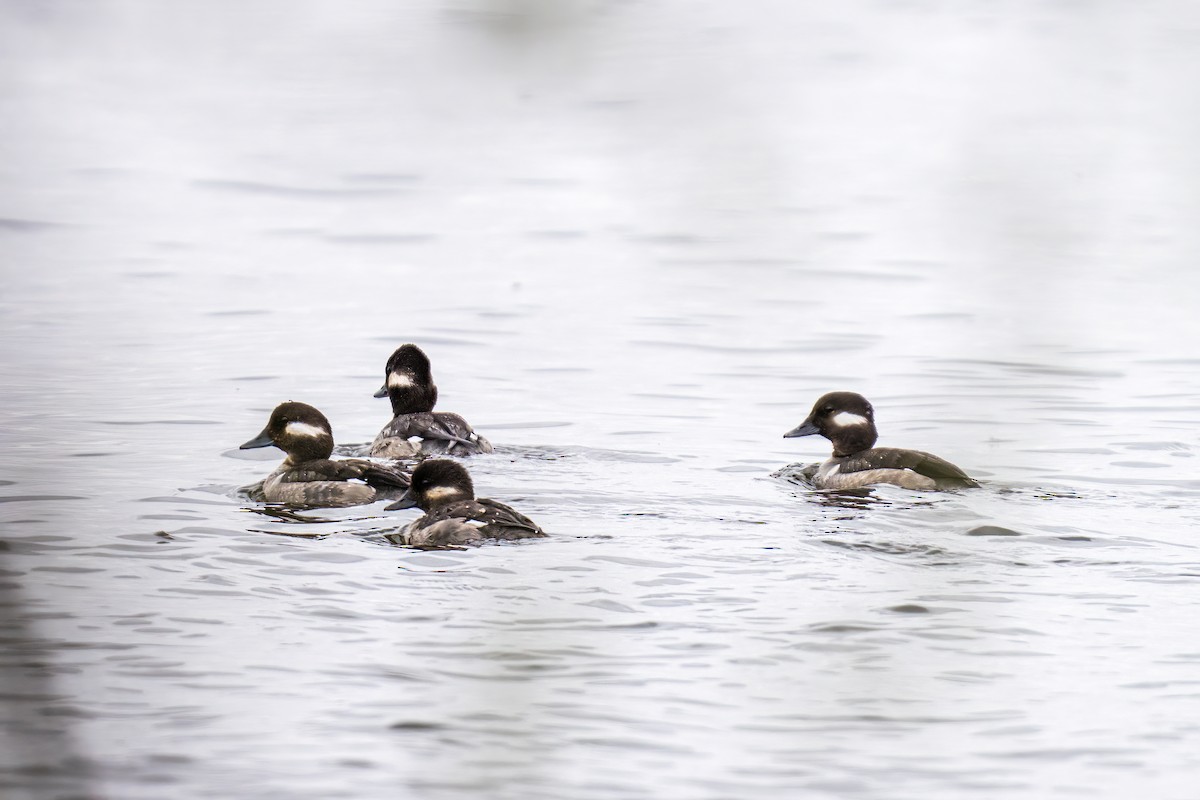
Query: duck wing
{"points": [[347, 469], [436, 432], [458, 435], [918, 461], [515, 525], [319, 469], [493, 519], [374, 473]]}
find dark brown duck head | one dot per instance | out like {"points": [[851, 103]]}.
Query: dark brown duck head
{"points": [[408, 381], [297, 429], [436, 483], [844, 418]]}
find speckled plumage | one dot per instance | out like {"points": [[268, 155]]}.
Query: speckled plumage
{"points": [[416, 430], [848, 421], [453, 516], [308, 476], [428, 433]]}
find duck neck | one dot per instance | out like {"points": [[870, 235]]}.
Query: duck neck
{"points": [[854, 439], [412, 399]]}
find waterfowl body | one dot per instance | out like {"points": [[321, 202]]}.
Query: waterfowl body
{"points": [[307, 476], [417, 430], [848, 421], [453, 515]]}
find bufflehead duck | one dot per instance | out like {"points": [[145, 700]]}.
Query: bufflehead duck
{"points": [[453, 516], [847, 420], [308, 477], [416, 429]]}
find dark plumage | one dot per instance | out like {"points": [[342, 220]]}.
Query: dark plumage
{"points": [[308, 476], [453, 516], [416, 429], [848, 421]]}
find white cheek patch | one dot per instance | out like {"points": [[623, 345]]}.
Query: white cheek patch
{"points": [[442, 492], [400, 380], [305, 430], [844, 419]]}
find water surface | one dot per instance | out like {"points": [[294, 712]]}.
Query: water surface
{"points": [[637, 239]]}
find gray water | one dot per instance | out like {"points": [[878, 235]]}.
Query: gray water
{"points": [[637, 239]]}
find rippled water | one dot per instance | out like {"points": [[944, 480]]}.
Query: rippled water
{"points": [[637, 239]]}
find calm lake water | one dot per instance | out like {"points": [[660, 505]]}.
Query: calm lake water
{"points": [[637, 240]]}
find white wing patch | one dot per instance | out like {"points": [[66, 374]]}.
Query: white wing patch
{"points": [[476, 523], [400, 380], [303, 429], [415, 439], [844, 419]]}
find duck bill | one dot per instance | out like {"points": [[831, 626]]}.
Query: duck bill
{"points": [[382, 392], [406, 501], [806, 428], [262, 440]]}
